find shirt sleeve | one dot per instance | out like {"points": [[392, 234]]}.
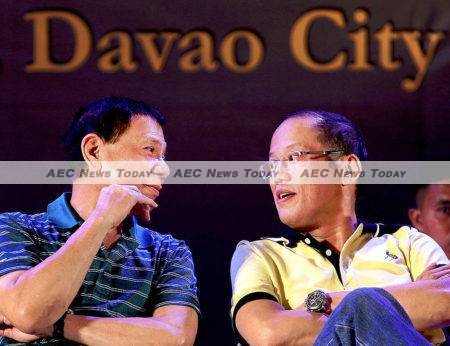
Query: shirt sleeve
{"points": [[176, 283], [423, 251], [250, 277], [17, 246], [420, 251]]}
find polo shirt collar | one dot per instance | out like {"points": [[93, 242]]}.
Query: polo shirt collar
{"points": [[136, 236], [294, 236], [61, 213], [141, 234]]}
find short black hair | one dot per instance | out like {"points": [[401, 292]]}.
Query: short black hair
{"points": [[420, 192], [108, 118], [336, 131]]}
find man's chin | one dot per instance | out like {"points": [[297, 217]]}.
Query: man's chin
{"points": [[292, 221], [287, 219]]}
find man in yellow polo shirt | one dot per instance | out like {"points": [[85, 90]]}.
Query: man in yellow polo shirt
{"points": [[320, 282]]}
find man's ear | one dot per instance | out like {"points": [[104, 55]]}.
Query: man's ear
{"points": [[90, 148], [415, 218], [353, 168]]}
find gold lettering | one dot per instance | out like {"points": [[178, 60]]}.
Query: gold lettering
{"points": [[198, 58], [420, 58], [255, 51], [116, 59], [299, 41], [42, 61], [360, 38], [155, 58], [385, 37]]}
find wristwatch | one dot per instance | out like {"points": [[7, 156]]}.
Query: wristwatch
{"points": [[58, 327], [318, 301]]}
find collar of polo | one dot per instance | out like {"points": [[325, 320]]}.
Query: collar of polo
{"points": [[293, 236], [61, 214]]}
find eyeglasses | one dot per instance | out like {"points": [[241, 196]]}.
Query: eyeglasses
{"points": [[270, 168], [299, 155]]}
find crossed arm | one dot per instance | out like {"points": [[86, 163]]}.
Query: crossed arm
{"points": [[169, 325], [265, 322]]}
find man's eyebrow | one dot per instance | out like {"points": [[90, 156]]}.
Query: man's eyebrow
{"points": [[290, 146], [158, 142], [443, 202], [154, 139]]}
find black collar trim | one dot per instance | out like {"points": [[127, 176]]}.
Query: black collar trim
{"points": [[294, 237]]}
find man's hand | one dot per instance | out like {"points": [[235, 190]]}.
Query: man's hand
{"points": [[9, 331], [434, 272], [116, 201]]}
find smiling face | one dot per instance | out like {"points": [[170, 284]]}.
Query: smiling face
{"points": [[306, 206], [144, 141]]}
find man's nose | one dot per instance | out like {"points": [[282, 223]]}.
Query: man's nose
{"points": [[161, 168], [281, 174]]}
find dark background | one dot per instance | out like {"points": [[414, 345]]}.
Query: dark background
{"points": [[223, 115]]}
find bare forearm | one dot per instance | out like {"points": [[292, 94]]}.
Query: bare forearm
{"points": [[122, 331], [42, 294], [267, 323], [293, 327], [426, 302]]}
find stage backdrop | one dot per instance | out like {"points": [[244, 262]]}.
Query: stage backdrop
{"points": [[224, 72]]}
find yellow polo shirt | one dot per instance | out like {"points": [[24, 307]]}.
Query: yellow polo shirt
{"points": [[286, 269]]}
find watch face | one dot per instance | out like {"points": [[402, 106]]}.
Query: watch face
{"points": [[316, 301]]}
